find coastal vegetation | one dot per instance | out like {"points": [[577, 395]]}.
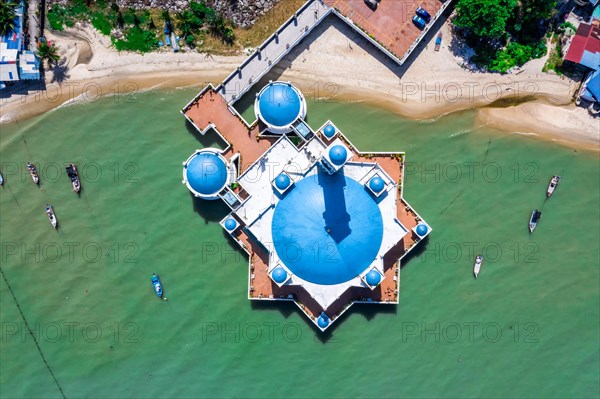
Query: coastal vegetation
{"points": [[7, 16], [504, 33], [141, 30], [198, 26], [557, 39], [48, 52]]}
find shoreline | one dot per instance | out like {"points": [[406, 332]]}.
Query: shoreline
{"points": [[526, 102]]}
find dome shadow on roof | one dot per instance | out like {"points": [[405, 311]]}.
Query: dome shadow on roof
{"points": [[327, 230]]}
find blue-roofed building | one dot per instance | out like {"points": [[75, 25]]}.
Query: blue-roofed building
{"points": [[29, 66], [9, 71], [278, 105], [591, 88], [323, 225], [206, 173], [16, 63]]}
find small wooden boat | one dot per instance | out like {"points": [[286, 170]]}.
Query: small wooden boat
{"points": [[552, 185], [33, 172], [534, 219], [438, 42], [51, 216], [477, 265], [74, 177], [157, 285]]}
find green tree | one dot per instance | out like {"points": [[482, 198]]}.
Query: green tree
{"points": [[151, 25], [120, 20], [525, 25], [7, 16], [485, 19], [48, 52]]}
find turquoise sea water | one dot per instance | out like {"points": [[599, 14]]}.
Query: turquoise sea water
{"points": [[527, 327]]}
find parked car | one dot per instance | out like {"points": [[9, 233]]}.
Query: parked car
{"points": [[421, 12], [419, 22], [372, 4]]}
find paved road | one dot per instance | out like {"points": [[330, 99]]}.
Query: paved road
{"points": [[34, 23]]}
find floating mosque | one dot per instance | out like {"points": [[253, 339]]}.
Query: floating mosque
{"points": [[324, 225]]}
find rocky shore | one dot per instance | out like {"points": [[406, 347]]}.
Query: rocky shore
{"points": [[242, 12]]}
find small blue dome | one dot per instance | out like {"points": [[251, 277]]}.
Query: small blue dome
{"points": [[279, 275], [376, 184], [338, 154], [373, 278], [230, 224], [323, 320], [422, 229], [279, 104], [206, 173], [282, 181], [329, 131]]}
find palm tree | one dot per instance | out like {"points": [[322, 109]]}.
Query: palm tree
{"points": [[7, 16], [185, 23], [48, 52]]}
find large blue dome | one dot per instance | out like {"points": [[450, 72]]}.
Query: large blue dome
{"points": [[206, 173], [327, 230], [282, 181], [338, 154], [279, 104], [373, 278]]}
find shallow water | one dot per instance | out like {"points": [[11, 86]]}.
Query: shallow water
{"points": [[527, 327]]}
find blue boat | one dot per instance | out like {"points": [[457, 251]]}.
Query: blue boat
{"points": [[157, 285]]}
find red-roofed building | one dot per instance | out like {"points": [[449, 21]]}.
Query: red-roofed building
{"points": [[585, 46]]}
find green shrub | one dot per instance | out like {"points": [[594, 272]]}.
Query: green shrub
{"points": [[137, 40], [516, 54], [101, 22], [56, 18]]}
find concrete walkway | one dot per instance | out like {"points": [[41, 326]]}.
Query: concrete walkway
{"points": [[273, 50], [33, 23]]}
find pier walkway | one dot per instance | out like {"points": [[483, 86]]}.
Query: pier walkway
{"points": [[273, 50]]}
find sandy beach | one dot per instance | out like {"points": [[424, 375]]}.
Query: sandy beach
{"points": [[332, 62]]}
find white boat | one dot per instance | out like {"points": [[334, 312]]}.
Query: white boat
{"points": [[536, 214], [74, 177], [1, 179], [51, 216], [33, 172], [477, 265], [552, 186]]}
